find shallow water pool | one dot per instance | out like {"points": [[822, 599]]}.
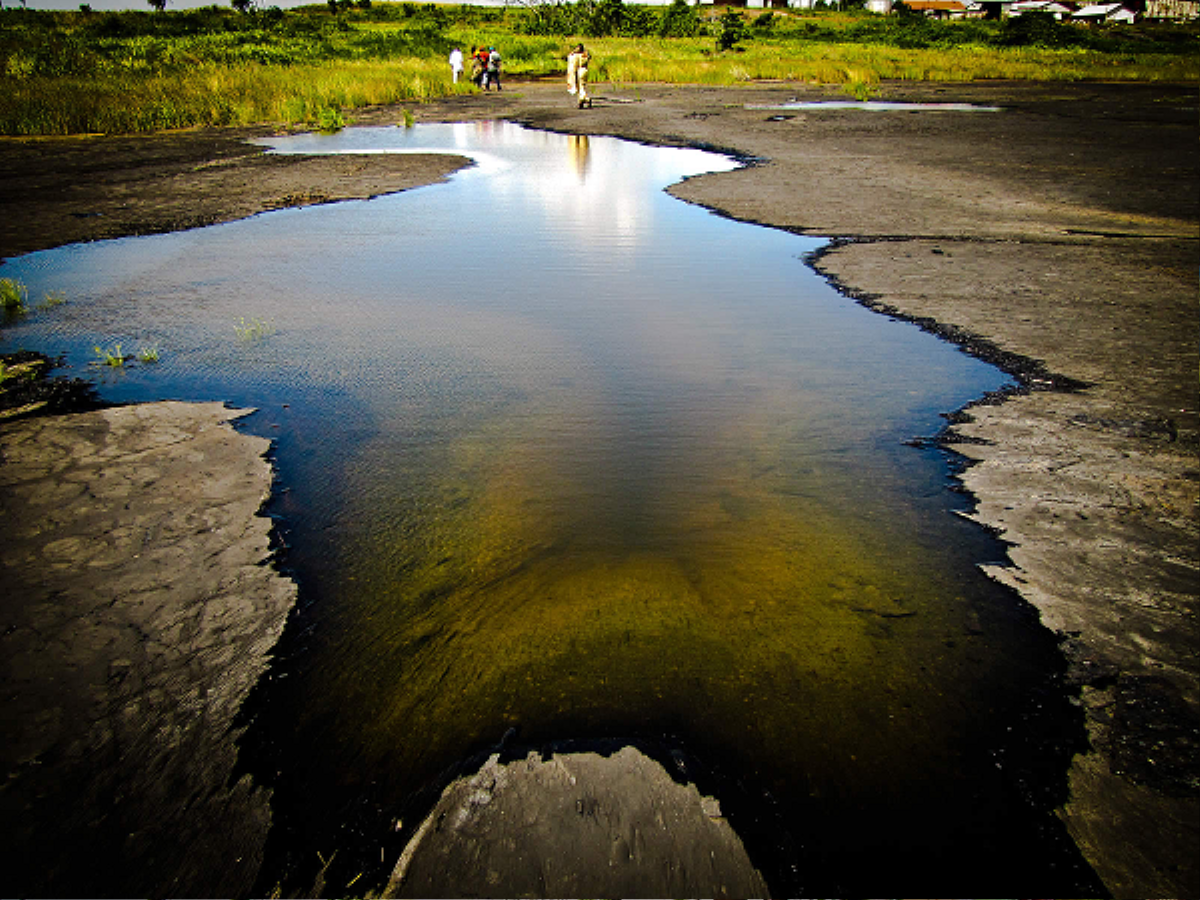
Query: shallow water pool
{"points": [[562, 457], [876, 106]]}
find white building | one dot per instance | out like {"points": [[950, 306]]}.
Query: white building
{"points": [[875, 6], [1056, 9], [1104, 12]]}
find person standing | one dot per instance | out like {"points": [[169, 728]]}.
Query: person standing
{"points": [[478, 67], [493, 68], [456, 64], [577, 70]]}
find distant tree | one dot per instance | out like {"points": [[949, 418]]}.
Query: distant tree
{"points": [[242, 6], [158, 5], [1038, 29], [678, 20], [85, 8], [640, 21], [607, 18], [731, 28]]}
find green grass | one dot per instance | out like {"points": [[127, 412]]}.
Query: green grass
{"points": [[112, 357], [115, 357], [249, 330], [52, 300], [693, 61], [14, 296], [330, 119], [216, 96], [75, 72]]}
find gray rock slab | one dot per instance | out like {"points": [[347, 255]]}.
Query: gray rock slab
{"points": [[578, 824], [136, 614]]}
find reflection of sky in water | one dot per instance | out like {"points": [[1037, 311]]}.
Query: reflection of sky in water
{"points": [[566, 453], [609, 203], [875, 106]]}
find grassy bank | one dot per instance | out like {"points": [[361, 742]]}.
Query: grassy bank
{"points": [[80, 72], [314, 93], [628, 60]]}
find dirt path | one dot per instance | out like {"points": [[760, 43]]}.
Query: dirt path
{"points": [[1059, 237]]}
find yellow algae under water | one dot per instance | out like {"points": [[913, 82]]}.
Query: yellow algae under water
{"points": [[744, 612]]}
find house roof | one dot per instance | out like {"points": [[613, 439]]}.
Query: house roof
{"points": [[1041, 6], [1099, 9]]}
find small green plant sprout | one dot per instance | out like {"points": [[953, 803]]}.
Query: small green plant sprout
{"points": [[252, 329], [861, 90], [14, 296], [52, 299], [329, 120], [148, 354], [111, 357], [409, 121]]}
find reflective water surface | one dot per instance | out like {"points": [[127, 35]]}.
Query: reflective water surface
{"points": [[563, 455], [876, 106]]}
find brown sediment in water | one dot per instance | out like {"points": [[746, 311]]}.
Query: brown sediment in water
{"points": [[1061, 230]]}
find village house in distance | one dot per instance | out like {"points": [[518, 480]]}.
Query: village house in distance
{"points": [[1124, 12]]}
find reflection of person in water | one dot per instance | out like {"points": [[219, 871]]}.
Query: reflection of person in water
{"points": [[577, 69], [578, 145]]}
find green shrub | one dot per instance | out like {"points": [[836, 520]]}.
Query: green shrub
{"points": [[1038, 29], [14, 296], [679, 20], [591, 18], [731, 28], [763, 23], [330, 119]]}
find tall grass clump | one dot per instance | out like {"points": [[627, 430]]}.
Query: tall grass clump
{"points": [[694, 62], [124, 72], [112, 357], [251, 330], [231, 95], [14, 296]]}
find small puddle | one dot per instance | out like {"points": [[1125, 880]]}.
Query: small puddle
{"points": [[875, 106], [563, 457]]}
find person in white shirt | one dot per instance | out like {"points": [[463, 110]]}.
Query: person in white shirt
{"points": [[577, 69]]}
